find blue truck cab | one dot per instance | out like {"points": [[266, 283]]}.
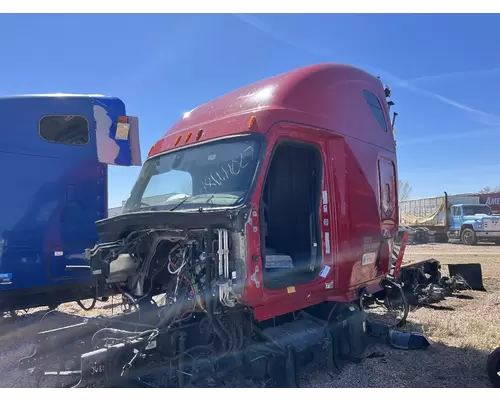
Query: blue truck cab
{"points": [[472, 223], [54, 156]]}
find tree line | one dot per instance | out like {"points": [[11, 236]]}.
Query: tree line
{"points": [[489, 189]]}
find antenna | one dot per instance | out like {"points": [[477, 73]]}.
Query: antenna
{"points": [[394, 119]]}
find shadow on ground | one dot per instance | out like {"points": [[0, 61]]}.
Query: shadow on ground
{"points": [[381, 366], [438, 366]]}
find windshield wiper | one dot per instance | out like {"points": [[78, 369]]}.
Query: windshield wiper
{"points": [[191, 198], [180, 203], [201, 209]]}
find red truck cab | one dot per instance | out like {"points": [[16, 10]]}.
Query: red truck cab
{"points": [[311, 155]]}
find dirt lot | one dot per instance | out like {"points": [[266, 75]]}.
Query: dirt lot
{"points": [[461, 331]]}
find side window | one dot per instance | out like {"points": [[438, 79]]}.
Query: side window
{"points": [[387, 187], [376, 108], [65, 129]]}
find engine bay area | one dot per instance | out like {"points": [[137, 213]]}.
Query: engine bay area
{"points": [[147, 263]]}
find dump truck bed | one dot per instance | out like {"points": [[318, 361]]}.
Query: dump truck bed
{"points": [[430, 211]]}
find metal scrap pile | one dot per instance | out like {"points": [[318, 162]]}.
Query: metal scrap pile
{"points": [[420, 235], [423, 283], [415, 235]]}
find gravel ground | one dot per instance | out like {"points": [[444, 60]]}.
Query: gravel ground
{"points": [[462, 332]]}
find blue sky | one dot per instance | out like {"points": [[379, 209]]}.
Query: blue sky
{"points": [[443, 70]]}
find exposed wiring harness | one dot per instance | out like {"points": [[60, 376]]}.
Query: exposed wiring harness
{"points": [[92, 305], [392, 291], [182, 258], [183, 300], [120, 335]]}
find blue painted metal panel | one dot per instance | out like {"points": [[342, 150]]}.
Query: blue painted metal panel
{"points": [[51, 195]]}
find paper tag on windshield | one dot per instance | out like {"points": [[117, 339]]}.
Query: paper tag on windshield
{"points": [[211, 157]]}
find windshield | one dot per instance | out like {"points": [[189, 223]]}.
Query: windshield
{"points": [[208, 175], [477, 209]]}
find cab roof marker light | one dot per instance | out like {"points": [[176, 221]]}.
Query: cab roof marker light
{"points": [[188, 136], [177, 140], [252, 121], [153, 149], [198, 135]]}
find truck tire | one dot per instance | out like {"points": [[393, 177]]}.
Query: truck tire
{"points": [[468, 236], [493, 367]]}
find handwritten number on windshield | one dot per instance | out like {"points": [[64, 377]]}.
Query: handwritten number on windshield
{"points": [[226, 171]]}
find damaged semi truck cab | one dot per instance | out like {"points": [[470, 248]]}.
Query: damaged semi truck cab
{"points": [[288, 186], [258, 224], [54, 152]]}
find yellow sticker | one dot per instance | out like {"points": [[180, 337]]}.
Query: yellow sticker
{"points": [[290, 289], [122, 130]]}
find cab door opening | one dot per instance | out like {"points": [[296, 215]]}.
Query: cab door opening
{"points": [[289, 215]]}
